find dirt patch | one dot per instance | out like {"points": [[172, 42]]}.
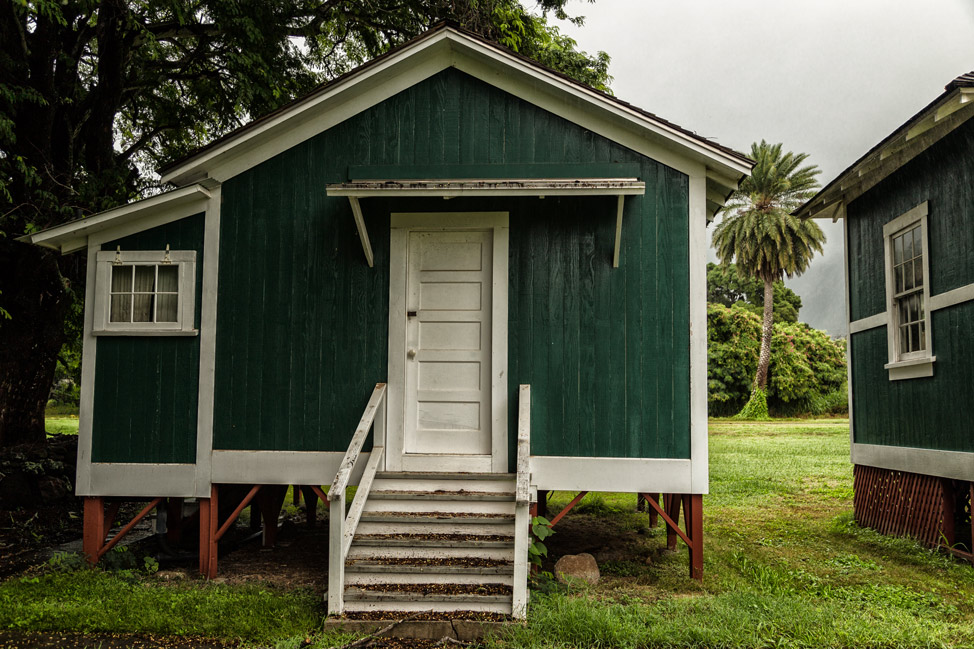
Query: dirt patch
{"points": [[605, 538]]}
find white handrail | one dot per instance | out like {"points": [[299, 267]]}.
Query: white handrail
{"points": [[341, 529], [522, 497], [355, 446]]}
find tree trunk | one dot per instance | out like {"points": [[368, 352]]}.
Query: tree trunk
{"points": [[33, 292], [764, 360]]}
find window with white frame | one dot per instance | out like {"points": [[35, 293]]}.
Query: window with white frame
{"points": [[140, 292], [908, 295], [908, 291]]}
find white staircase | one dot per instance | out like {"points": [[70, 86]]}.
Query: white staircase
{"points": [[441, 542]]}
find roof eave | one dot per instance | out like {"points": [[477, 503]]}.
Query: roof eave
{"points": [[936, 120], [72, 236]]}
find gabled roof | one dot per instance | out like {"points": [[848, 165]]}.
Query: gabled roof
{"points": [[445, 45], [941, 116]]}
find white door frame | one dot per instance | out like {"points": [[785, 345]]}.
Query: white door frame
{"points": [[401, 224]]}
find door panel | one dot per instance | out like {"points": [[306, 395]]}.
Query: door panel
{"points": [[448, 357]]}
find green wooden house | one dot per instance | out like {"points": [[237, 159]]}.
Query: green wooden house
{"points": [[908, 211], [451, 277]]}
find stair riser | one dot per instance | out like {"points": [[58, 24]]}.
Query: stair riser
{"points": [[436, 607], [435, 527], [364, 541], [354, 578], [428, 484], [447, 506], [372, 552]]}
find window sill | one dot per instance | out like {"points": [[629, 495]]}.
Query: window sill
{"points": [[914, 368], [146, 332]]}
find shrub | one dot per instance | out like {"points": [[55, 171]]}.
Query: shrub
{"points": [[807, 373]]}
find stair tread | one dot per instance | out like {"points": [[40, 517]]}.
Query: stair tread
{"points": [[449, 565], [440, 494], [431, 592], [424, 475], [434, 540], [479, 517]]}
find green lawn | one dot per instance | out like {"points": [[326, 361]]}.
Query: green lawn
{"points": [[785, 566], [61, 425]]}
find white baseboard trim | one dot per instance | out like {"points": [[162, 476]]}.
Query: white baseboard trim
{"points": [[139, 480], [944, 464], [280, 467], [628, 475]]}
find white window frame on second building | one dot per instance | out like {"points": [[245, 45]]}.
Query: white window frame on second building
{"points": [[185, 322], [917, 364]]}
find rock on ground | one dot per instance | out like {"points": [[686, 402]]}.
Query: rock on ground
{"points": [[577, 566]]}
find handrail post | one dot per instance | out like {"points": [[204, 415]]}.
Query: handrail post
{"points": [[522, 517], [336, 558]]}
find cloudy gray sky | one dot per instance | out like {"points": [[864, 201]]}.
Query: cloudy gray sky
{"points": [[830, 78]]}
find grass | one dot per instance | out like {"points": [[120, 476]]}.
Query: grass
{"points": [[785, 566], [61, 425]]}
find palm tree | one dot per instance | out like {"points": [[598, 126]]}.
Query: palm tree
{"points": [[762, 235]]}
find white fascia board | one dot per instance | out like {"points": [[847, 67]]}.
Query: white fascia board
{"points": [[72, 236], [453, 188], [421, 60]]}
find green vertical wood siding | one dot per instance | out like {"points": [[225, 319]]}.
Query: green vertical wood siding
{"points": [[302, 320], [942, 175], [147, 387], [926, 413], [921, 413]]}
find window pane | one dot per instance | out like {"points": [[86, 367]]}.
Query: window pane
{"points": [[898, 250], [168, 279], [899, 279], [143, 307], [914, 337], [904, 339], [918, 272], [908, 276], [904, 312], [166, 306], [145, 279], [121, 279], [908, 245], [121, 310], [923, 336], [914, 308]]}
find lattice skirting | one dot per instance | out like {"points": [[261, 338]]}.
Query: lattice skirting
{"points": [[935, 511]]}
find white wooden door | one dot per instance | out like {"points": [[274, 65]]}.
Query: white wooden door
{"points": [[447, 392]]}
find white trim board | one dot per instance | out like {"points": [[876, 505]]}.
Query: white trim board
{"points": [[422, 58], [208, 333], [626, 475], [281, 467], [699, 452], [139, 480], [945, 464]]}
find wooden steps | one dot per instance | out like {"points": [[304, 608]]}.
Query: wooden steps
{"points": [[434, 542]]}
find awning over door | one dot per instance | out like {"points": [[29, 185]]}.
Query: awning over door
{"points": [[540, 187]]}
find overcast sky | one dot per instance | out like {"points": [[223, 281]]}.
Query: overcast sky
{"points": [[830, 78]]}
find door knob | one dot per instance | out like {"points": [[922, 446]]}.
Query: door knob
{"points": [[411, 353]]}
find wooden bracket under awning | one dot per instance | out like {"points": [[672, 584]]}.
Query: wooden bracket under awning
{"points": [[540, 187]]}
